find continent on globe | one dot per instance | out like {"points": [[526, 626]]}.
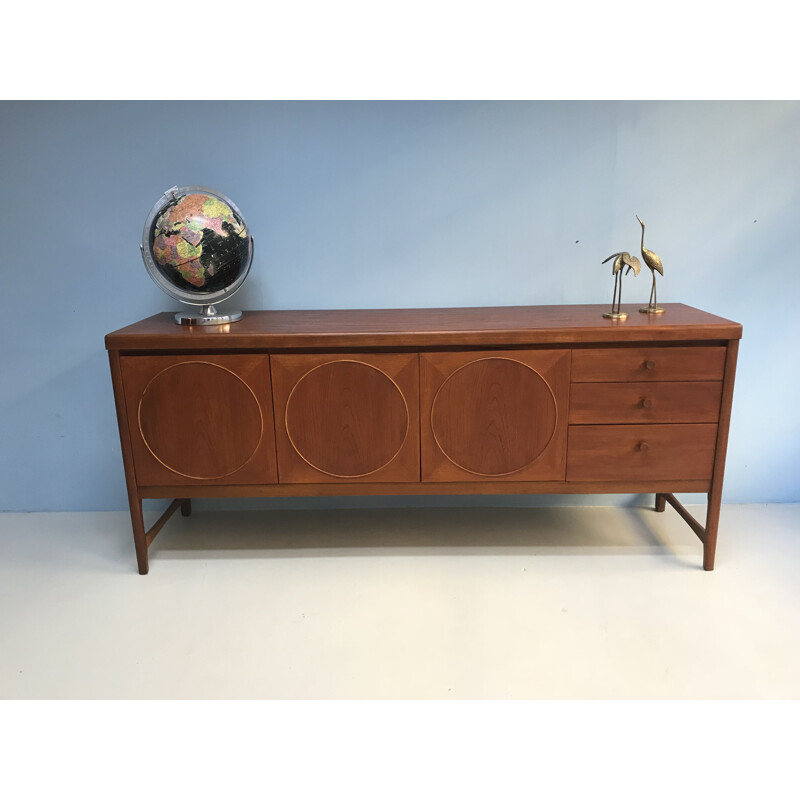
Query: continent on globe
{"points": [[199, 243]]}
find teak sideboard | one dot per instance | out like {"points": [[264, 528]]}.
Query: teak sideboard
{"points": [[521, 399]]}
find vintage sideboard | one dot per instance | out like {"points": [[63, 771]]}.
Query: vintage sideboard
{"points": [[521, 399]]}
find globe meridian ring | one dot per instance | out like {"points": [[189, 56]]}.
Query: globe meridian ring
{"points": [[160, 275]]}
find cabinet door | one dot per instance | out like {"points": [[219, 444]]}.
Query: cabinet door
{"points": [[200, 419], [347, 418], [495, 415]]}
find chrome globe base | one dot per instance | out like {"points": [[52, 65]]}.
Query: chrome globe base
{"points": [[208, 316]]}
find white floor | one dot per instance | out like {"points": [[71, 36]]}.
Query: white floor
{"points": [[411, 603]]}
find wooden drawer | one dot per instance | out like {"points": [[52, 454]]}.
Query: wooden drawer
{"points": [[675, 401], [640, 452], [605, 365]]}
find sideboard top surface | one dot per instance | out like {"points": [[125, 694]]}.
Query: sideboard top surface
{"points": [[426, 327]]}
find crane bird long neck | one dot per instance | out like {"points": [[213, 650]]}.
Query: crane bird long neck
{"points": [[642, 245]]}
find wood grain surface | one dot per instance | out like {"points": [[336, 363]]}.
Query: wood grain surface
{"points": [[498, 326], [648, 364], [715, 495], [675, 401], [134, 496], [490, 415], [367, 489], [206, 418], [347, 418], [643, 452]]}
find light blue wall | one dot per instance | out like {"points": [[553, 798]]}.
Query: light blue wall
{"points": [[390, 204]]}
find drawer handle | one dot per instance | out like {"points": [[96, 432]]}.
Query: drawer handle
{"points": [[642, 447], [647, 402], [649, 364]]}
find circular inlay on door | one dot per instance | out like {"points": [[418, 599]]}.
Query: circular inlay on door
{"points": [[494, 416], [346, 418], [200, 420]]}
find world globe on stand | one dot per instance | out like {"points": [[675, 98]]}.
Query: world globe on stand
{"points": [[198, 249]]}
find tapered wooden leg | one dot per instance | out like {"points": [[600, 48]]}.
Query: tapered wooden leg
{"points": [[186, 507], [712, 523], [139, 535], [134, 501], [707, 534], [715, 495], [661, 502]]}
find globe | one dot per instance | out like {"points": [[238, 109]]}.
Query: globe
{"points": [[198, 249]]}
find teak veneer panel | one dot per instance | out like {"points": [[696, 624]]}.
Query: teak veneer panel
{"points": [[347, 418], [204, 419], [500, 326], [414, 489], [672, 401], [494, 415], [640, 452], [648, 364]]}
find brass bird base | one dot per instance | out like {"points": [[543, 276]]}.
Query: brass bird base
{"points": [[615, 315], [652, 310]]}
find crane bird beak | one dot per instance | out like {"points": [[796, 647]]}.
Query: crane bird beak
{"points": [[640, 222]]}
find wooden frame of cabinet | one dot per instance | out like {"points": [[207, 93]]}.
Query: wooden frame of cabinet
{"points": [[508, 400]]}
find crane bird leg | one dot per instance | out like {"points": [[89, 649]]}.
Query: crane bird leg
{"points": [[615, 312]]}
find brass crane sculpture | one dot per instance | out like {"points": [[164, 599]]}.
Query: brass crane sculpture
{"points": [[620, 260], [654, 263]]}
